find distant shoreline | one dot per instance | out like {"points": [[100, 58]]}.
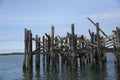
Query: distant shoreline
{"points": [[7, 54], [21, 53]]}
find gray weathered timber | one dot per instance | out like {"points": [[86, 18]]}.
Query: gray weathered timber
{"points": [[71, 49], [37, 52]]}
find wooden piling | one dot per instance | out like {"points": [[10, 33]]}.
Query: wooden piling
{"points": [[92, 50], [73, 37], [52, 38], [98, 47], [43, 51], [118, 45], [48, 50], [43, 44], [28, 60], [37, 52], [30, 51], [48, 41], [25, 64]]}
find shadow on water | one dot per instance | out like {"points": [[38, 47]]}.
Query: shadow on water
{"points": [[117, 70], [73, 71], [28, 75], [37, 73]]}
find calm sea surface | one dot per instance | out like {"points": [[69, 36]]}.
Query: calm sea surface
{"points": [[11, 69]]}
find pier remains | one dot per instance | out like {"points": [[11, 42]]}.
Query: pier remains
{"points": [[71, 49]]}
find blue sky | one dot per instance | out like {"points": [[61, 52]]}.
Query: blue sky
{"points": [[39, 15]]}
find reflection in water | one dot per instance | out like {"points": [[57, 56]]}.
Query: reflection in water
{"points": [[37, 73], [28, 75], [70, 70]]}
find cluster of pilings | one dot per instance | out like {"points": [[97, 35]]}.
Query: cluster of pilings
{"points": [[71, 48]]}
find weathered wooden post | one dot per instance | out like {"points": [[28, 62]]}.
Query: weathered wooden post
{"points": [[27, 64], [76, 58], [71, 53], [66, 45], [114, 47], [118, 45], [92, 49], [48, 42], [100, 55], [83, 48], [43, 51], [52, 38], [69, 40], [43, 44], [75, 42], [37, 52], [48, 50], [53, 54], [30, 51], [73, 38]]}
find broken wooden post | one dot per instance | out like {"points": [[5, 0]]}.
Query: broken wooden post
{"points": [[43, 44], [30, 51], [37, 52], [92, 50], [48, 50], [73, 37], [43, 51], [114, 47], [118, 45], [48, 42], [53, 54], [82, 54], [98, 47], [69, 39], [52, 38], [66, 45], [27, 64]]}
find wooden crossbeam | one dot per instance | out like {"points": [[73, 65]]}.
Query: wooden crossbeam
{"points": [[87, 42], [96, 26]]}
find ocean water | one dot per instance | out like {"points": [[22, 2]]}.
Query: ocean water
{"points": [[11, 69]]}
